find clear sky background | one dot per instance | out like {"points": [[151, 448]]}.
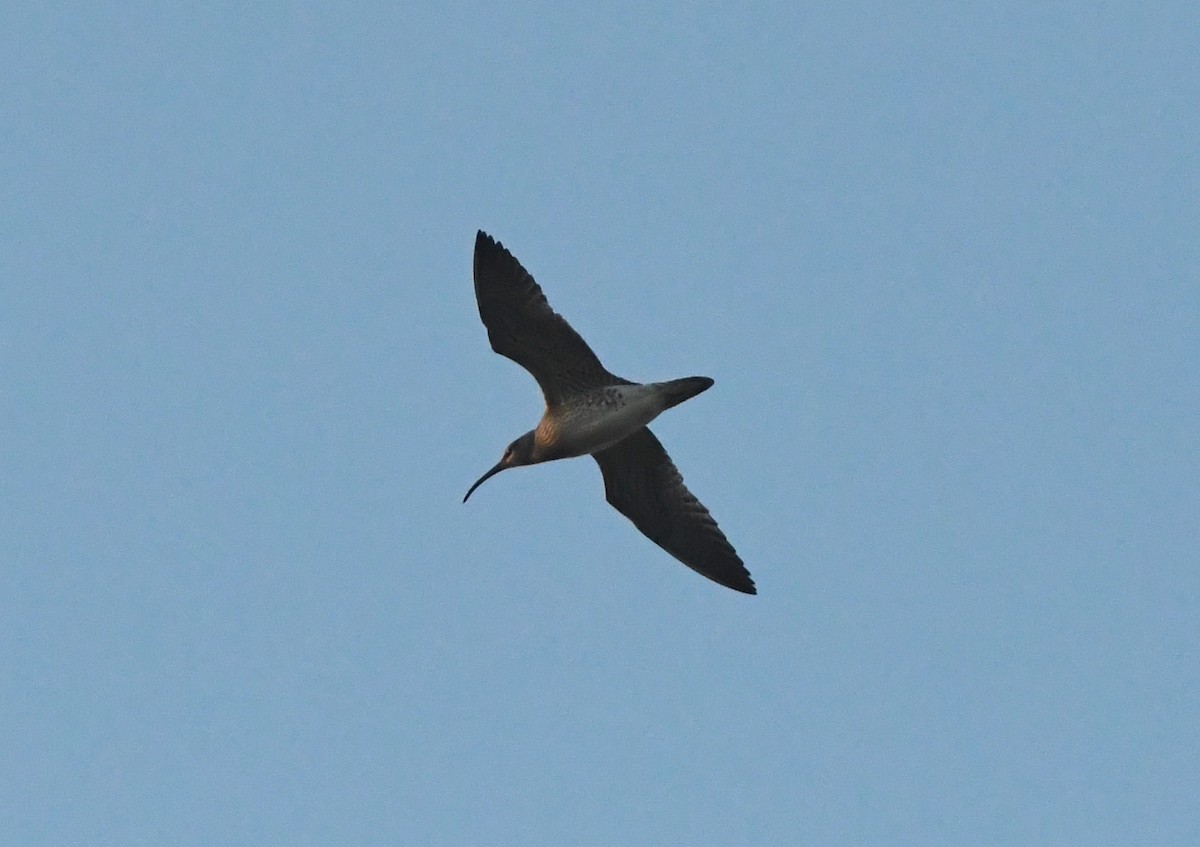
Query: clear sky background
{"points": [[942, 260]]}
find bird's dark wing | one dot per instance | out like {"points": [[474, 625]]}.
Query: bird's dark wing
{"points": [[522, 326], [641, 482]]}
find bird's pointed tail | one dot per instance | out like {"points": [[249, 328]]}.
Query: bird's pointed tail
{"points": [[677, 390]]}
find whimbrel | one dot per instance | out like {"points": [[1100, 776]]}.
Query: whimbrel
{"points": [[591, 411]]}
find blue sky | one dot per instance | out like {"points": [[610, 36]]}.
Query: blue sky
{"points": [[942, 260]]}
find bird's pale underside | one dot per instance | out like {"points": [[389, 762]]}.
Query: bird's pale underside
{"points": [[591, 411]]}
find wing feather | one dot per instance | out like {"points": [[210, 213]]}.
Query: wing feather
{"points": [[643, 484], [522, 326]]}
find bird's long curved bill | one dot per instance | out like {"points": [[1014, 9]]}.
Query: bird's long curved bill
{"points": [[499, 467]]}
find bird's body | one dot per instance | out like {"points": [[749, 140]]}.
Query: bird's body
{"points": [[595, 420], [590, 411]]}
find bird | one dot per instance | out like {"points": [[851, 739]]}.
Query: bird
{"points": [[590, 411]]}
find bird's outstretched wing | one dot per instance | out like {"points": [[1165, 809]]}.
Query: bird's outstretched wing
{"points": [[522, 326], [642, 483]]}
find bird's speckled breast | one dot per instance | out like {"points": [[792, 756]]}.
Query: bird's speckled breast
{"points": [[597, 419]]}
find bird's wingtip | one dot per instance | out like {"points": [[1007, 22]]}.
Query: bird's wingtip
{"points": [[742, 582], [487, 246]]}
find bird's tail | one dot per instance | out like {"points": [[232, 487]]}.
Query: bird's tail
{"points": [[677, 390]]}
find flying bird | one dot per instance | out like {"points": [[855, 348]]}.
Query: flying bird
{"points": [[589, 411]]}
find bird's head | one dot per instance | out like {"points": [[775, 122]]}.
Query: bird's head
{"points": [[520, 452]]}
